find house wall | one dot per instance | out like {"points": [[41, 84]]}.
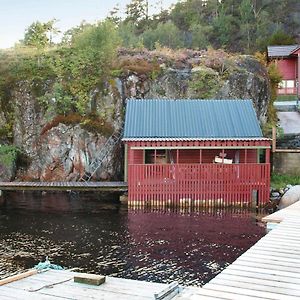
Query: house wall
{"points": [[232, 184], [135, 156], [192, 156], [288, 68]]}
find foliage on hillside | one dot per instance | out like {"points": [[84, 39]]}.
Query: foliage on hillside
{"points": [[237, 26], [275, 78], [63, 79]]}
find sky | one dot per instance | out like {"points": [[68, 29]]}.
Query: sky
{"points": [[17, 15]]}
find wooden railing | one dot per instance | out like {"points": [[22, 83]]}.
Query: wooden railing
{"points": [[198, 184], [287, 91]]}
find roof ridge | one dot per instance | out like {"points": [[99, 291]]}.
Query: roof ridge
{"points": [[186, 99]]}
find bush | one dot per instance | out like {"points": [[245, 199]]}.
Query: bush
{"points": [[93, 123], [205, 83], [279, 181], [8, 155]]}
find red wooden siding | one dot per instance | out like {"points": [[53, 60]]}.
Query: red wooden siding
{"points": [[190, 156], [288, 68], [135, 156], [200, 184], [202, 143], [186, 179]]}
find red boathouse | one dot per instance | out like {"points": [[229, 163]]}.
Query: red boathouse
{"points": [[287, 59], [202, 151]]}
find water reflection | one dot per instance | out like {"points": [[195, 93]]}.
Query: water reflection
{"points": [[90, 233]]}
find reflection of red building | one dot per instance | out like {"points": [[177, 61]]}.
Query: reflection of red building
{"points": [[195, 150], [287, 59]]}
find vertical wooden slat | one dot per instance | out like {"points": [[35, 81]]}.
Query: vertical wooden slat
{"points": [[172, 182]]}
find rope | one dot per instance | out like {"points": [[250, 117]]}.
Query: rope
{"points": [[51, 285]]}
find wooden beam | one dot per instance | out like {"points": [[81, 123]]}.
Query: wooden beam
{"points": [[18, 277], [268, 156], [125, 162], [198, 147], [90, 279], [287, 150], [200, 156], [273, 139]]}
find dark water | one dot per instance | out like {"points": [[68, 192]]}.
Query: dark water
{"points": [[160, 246]]}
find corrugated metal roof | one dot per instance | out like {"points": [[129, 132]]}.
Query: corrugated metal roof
{"points": [[164, 119], [281, 51]]}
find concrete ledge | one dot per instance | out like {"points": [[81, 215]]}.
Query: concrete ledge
{"points": [[292, 211]]}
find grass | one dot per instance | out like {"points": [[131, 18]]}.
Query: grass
{"points": [[279, 181], [286, 98]]}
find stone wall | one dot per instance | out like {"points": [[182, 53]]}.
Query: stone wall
{"points": [[286, 163]]}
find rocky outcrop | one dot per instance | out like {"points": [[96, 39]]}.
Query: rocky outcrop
{"points": [[65, 150], [197, 74], [290, 197]]}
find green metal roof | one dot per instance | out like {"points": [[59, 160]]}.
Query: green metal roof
{"points": [[163, 119]]}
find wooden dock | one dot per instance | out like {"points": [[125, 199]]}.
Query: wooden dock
{"points": [[268, 270], [100, 186], [54, 284]]}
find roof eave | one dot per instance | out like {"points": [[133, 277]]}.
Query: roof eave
{"points": [[194, 139]]}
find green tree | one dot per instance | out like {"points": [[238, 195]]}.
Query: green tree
{"points": [[166, 34], [137, 11], [88, 62], [200, 36], [127, 33], [223, 29], [247, 23], [279, 37], [40, 34]]}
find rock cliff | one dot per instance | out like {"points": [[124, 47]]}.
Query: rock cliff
{"points": [[64, 147]]}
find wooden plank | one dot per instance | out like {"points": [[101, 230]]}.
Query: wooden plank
{"points": [[91, 279], [76, 291], [253, 274], [268, 252], [281, 291], [288, 262], [199, 293], [18, 277], [114, 286], [243, 292], [11, 293], [276, 249], [59, 186], [259, 281], [264, 270]]}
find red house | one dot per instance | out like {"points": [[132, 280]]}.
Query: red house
{"points": [[203, 152], [287, 59]]}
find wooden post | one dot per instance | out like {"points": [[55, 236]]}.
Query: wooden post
{"points": [[246, 154], [155, 156], [273, 139], [177, 156], [200, 158], [298, 77], [223, 154], [267, 155], [126, 163], [254, 198]]}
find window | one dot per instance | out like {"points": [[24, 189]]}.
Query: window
{"points": [[287, 84], [290, 83], [161, 156]]}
